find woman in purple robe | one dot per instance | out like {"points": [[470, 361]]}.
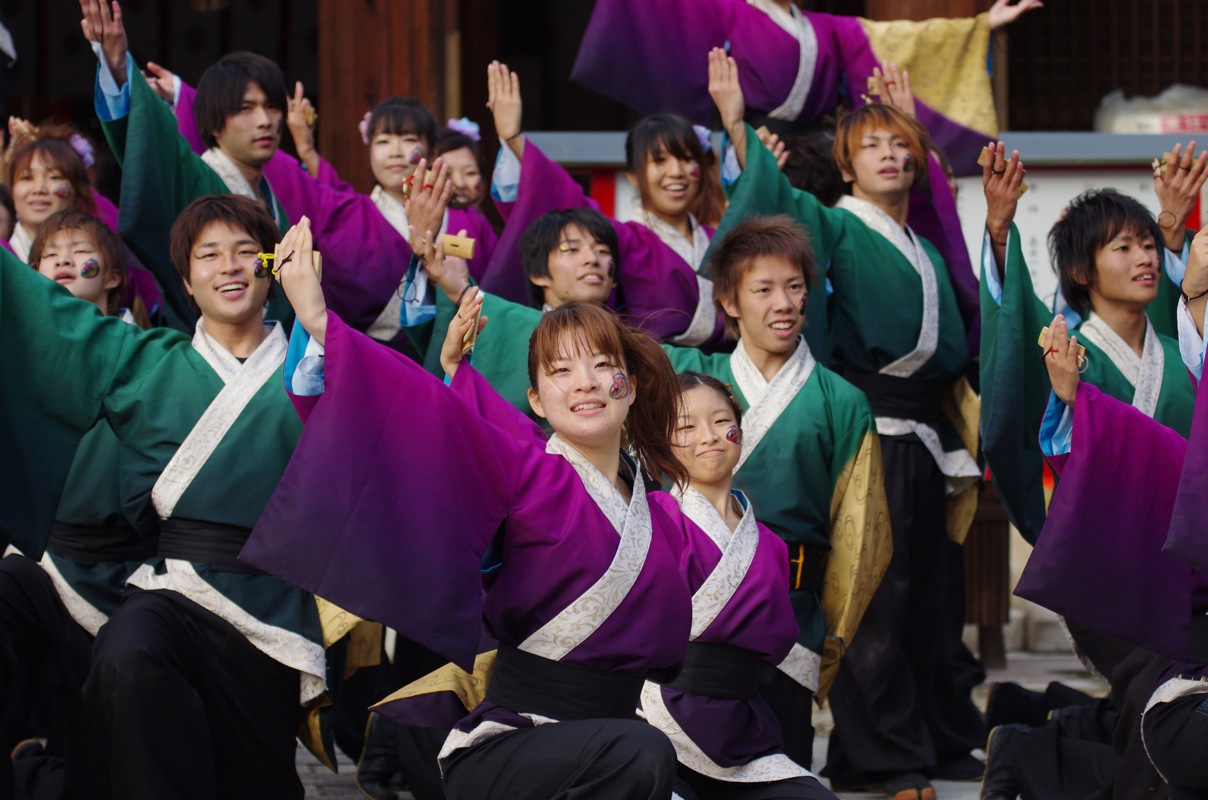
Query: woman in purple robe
{"points": [[552, 546], [726, 736]]}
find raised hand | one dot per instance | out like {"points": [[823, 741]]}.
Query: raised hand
{"points": [[459, 330], [451, 274], [1001, 179], [296, 274], [300, 119], [102, 23], [1002, 13], [162, 81], [429, 197], [774, 145], [1177, 185], [503, 98], [725, 89], [20, 132], [1062, 361], [1195, 279], [891, 86]]}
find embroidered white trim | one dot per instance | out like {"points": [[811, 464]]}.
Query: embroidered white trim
{"points": [[279, 644], [958, 466], [21, 242], [86, 614], [237, 183], [802, 665], [775, 767], [1176, 689], [1144, 372], [456, 739], [572, 625], [767, 399], [797, 25], [387, 325], [738, 551], [909, 246], [242, 381], [691, 250]]}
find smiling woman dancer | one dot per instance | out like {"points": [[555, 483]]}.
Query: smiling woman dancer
{"points": [[475, 539]]}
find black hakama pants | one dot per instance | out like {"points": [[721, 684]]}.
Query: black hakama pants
{"points": [[694, 786]]}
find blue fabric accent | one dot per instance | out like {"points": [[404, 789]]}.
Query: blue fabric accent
{"points": [[415, 311], [742, 498], [303, 370], [112, 103], [730, 171], [1056, 428], [505, 183], [990, 268]]}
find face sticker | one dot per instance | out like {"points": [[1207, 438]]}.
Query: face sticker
{"points": [[261, 268], [417, 154], [908, 163], [620, 386], [90, 268], [61, 190], [693, 169], [733, 434]]}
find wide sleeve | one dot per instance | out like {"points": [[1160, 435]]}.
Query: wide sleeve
{"points": [[658, 291], [544, 186], [328, 176], [861, 540], [364, 257], [396, 482], [1188, 536], [1100, 561], [1014, 388], [186, 120], [61, 359], [160, 176]]}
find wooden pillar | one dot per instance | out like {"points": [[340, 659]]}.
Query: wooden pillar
{"points": [[922, 9], [370, 50]]}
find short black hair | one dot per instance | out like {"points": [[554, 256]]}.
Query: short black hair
{"points": [[448, 140], [403, 115], [811, 166], [544, 235], [1091, 220], [234, 210], [222, 86]]}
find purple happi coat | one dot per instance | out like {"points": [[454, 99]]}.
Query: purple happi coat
{"points": [[1102, 559], [399, 486], [740, 598]]}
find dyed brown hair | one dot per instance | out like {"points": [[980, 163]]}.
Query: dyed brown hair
{"points": [[57, 154], [675, 136], [653, 415], [858, 122], [240, 213], [109, 247], [756, 236]]}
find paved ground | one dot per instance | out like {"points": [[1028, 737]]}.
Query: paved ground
{"points": [[1032, 671]]}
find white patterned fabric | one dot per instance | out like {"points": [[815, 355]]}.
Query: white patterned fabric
{"points": [[572, 625], [1144, 372], [775, 767], [802, 665], [738, 552], [958, 467], [22, 242], [909, 246], [795, 24], [241, 383], [89, 617], [281, 645], [766, 399], [387, 325], [236, 182]]}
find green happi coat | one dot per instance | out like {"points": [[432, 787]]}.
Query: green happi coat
{"points": [[65, 364], [161, 175], [871, 322], [1015, 384]]}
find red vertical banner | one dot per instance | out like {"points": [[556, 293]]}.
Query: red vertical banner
{"points": [[604, 190]]}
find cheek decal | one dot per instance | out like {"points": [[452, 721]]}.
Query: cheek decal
{"points": [[734, 434], [417, 154], [908, 163], [61, 190], [261, 268], [620, 386], [693, 170], [90, 269]]}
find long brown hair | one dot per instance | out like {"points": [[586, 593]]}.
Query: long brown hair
{"points": [[653, 415], [59, 155]]}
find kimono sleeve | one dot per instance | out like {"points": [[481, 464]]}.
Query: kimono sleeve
{"points": [[1014, 390], [1186, 538], [186, 121], [364, 257], [61, 359], [657, 290], [160, 176], [1100, 561], [395, 490]]}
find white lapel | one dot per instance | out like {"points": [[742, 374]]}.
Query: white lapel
{"points": [[691, 250], [795, 24], [738, 552], [586, 613], [1144, 372], [21, 242], [388, 324], [909, 246], [235, 181], [767, 400], [241, 383]]}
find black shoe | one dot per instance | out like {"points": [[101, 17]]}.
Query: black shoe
{"points": [[965, 768], [378, 761], [1000, 781], [1010, 704]]}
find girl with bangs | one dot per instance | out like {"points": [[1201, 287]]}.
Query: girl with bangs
{"points": [[668, 230], [475, 540], [890, 324]]}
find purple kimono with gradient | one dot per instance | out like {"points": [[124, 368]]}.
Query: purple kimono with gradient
{"points": [[759, 618], [656, 289], [1102, 558], [400, 484], [652, 55]]}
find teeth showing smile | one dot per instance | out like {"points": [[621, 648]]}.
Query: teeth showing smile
{"points": [[782, 326], [586, 406], [231, 287], [1148, 276]]}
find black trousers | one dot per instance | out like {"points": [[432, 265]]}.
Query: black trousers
{"points": [[44, 657], [897, 705], [694, 786], [190, 709], [1176, 736], [793, 706], [600, 759]]}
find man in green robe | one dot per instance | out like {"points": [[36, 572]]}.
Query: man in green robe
{"points": [[199, 678]]}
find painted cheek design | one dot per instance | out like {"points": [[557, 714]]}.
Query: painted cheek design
{"points": [[417, 154], [733, 434], [620, 386], [261, 268], [693, 170], [908, 163], [90, 269], [61, 190]]}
